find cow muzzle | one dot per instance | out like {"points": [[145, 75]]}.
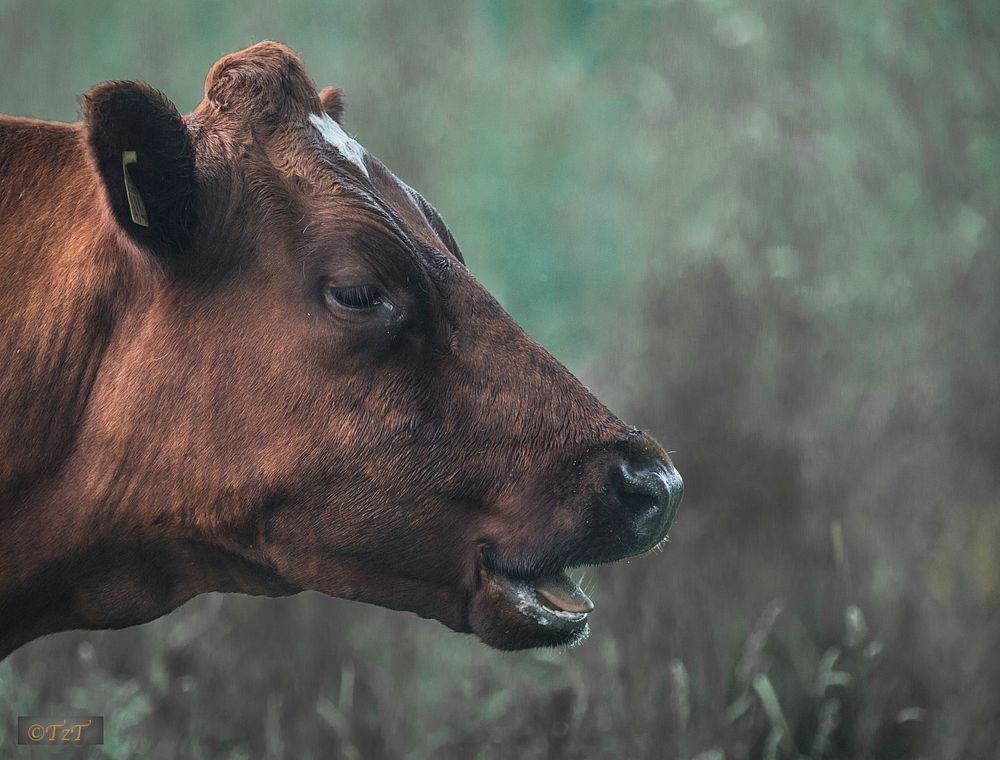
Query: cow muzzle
{"points": [[648, 494], [530, 599]]}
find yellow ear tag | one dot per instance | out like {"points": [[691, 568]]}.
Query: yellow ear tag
{"points": [[135, 205]]}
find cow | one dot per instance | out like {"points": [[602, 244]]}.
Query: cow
{"points": [[240, 355]]}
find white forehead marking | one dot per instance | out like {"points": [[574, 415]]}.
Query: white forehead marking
{"points": [[334, 134]]}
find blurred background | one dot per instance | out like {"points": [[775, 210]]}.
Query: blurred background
{"points": [[767, 231]]}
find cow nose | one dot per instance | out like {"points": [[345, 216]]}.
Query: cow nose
{"points": [[650, 491]]}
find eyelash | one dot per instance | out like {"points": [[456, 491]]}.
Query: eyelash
{"points": [[357, 298]]}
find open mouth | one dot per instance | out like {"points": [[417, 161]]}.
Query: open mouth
{"points": [[553, 604], [552, 600]]}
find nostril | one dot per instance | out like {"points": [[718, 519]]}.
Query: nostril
{"points": [[640, 483], [653, 485], [644, 498]]}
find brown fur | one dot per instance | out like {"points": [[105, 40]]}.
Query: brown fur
{"points": [[183, 413]]}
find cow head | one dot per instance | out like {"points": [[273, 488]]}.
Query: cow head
{"points": [[315, 384]]}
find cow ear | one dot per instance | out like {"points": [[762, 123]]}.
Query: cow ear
{"points": [[333, 102], [145, 157]]}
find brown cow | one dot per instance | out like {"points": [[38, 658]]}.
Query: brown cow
{"points": [[240, 355]]}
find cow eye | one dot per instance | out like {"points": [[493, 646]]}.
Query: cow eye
{"points": [[357, 298]]}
